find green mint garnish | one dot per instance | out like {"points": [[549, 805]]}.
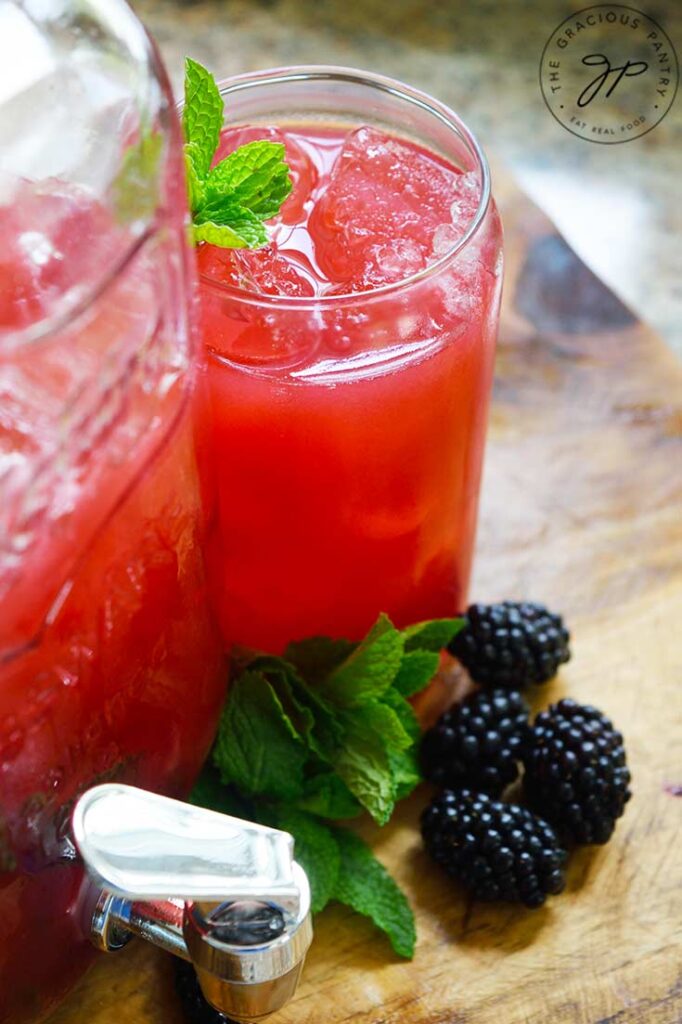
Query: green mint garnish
{"points": [[368, 671], [229, 202], [320, 735], [202, 116], [365, 885], [258, 748], [317, 850]]}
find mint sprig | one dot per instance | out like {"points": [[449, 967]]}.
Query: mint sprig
{"points": [[229, 202], [322, 734]]}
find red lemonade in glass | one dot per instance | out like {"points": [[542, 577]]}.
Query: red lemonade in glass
{"points": [[344, 407]]}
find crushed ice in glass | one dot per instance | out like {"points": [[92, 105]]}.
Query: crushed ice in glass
{"points": [[364, 211]]}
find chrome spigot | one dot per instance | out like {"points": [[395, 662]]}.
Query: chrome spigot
{"points": [[223, 893]]}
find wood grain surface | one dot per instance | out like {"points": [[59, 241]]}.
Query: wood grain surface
{"points": [[582, 508]]}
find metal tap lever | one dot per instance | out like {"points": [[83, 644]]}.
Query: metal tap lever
{"points": [[221, 892], [141, 845]]}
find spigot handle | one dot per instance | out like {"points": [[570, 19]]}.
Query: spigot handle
{"points": [[143, 846]]}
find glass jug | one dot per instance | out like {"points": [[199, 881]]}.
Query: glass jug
{"points": [[110, 667]]}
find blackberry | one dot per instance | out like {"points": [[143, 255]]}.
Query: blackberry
{"points": [[498, 851], [575, 771], [511, 644], [195, 1007], [477, 743]]}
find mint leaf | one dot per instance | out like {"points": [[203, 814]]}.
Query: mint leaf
{"points": [[316, 657], [369, 670], [223, 222], [416, 671], [202, 115], [327, 796], [432, 635], [406, 716], [316, 720], [365, 885], [195, 184], [258, 749], [363, 760], [373, 760], [255, 175], [327, 736], [405, 769], [366, 769], [316, 850], [218, 234], [290, 689], [403, 762], [384, 720]]}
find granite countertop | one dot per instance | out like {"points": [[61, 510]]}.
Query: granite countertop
{"points": [[619, 206]]}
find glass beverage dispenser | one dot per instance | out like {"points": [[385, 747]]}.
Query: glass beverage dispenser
{"points": [[110, 667]]}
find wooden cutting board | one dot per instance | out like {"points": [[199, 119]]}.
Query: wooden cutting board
{"points": [[582, 508]]}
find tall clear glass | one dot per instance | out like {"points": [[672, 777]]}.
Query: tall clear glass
{"points": [[343, 434], [110, 665]]}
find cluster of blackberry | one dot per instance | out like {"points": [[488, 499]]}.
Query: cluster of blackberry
{"points": [[574, 770]]}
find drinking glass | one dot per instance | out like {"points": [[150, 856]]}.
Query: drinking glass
{"points": [[342, 435]]}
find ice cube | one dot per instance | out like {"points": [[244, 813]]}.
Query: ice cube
{"points": [[264, 271], [382, 215], [254, 334], [303, 171]]}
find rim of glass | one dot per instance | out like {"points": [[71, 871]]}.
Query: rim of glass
{"points": [[61, 319], [418, 98]]}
